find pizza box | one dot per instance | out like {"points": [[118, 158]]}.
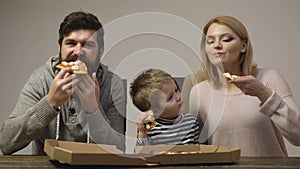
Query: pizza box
{"points": [[189, 154], [76, 153]]}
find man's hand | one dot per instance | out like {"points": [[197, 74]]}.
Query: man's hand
{"points": [[61, 88], [88, 91]]}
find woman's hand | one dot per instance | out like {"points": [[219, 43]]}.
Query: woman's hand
{"points": [[249, 85]]}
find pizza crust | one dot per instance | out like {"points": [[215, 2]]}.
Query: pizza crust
{"points": [[180, 152], [78, 66], [229, 76], [150, 120]]}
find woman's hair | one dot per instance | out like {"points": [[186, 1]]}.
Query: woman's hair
{"points": [[81, 20], [144, 84], [209, 71]]}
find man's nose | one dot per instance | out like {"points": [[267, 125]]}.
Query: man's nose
{"points": [[78, 50]]}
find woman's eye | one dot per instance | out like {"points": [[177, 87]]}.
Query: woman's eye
{"points": [[227, 39], [209, 41]]}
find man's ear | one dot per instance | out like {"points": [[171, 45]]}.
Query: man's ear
{"points": [[58, 46], [101, 51]]}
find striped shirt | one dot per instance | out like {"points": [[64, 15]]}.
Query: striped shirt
{"points": [[183, 130]]}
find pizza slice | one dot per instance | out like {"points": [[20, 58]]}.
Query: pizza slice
{"points": [[180, 152], [150, 120], [229, 76], [78, 66]]}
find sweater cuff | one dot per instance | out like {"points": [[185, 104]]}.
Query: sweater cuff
{"points": [[45, 112], [271, 104], [96, 120]]}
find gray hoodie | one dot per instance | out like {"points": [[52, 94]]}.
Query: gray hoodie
{"points": [[33, 119]]}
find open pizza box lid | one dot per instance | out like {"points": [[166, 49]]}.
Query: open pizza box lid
{"points": [[75, 153]]}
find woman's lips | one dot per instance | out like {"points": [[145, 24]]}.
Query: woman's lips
{"points": [[218, 54]]}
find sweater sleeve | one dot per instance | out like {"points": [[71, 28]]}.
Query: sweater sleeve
{"points": [[282, 108], [107, 125], [194, 108], [29, 118], [186, 89]]}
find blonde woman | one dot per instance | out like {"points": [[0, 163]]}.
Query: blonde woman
{"points": [[254, 110]]}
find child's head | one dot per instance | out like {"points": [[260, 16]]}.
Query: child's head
{"points": [[151, 80]]}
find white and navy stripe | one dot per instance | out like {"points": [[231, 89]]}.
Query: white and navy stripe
{"points": [[183, 130]]}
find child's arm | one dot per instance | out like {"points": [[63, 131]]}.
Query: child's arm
{"points": [[142, 131], [142, 137]]}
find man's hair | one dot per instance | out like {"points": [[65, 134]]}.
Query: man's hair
{"points": [[81, 20], [144, 84]]}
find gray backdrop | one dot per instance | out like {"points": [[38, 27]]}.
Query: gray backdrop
{"points": [[29, 33]]}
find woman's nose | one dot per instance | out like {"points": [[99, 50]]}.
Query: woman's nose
{"points": [[217, 45]]}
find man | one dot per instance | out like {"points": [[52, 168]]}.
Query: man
{"points": [[58, 104]]}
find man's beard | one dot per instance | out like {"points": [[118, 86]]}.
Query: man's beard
{"points": [[92, 67]]}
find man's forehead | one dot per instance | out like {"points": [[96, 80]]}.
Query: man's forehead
{"points": [[82, 34]]}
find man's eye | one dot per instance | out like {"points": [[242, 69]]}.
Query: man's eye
{"points": [[70, 43], [89, 45]]}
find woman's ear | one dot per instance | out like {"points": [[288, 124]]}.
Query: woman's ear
{"points": [[244, 47]]}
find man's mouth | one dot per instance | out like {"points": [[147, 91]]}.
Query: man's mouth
{"points": [[72, 58]]}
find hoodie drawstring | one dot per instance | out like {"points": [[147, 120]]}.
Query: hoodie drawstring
{"points": [[88, 139]]}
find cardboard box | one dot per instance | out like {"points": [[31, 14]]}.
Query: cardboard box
{"points": [[75, 153], [198, 154]]}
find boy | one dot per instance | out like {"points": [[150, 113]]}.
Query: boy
{"points": [[156, 91]]}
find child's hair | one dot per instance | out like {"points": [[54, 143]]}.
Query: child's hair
{"points": [[144, 84]]}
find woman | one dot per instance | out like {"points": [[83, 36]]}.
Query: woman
{"points": [[252, 112], [189, 81]]}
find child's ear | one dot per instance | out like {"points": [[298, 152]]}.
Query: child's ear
{"points": [[158, 101]]}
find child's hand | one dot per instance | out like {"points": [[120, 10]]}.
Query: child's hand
{"points": [[141, 124]]}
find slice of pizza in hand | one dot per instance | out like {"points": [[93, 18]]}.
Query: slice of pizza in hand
{"points": [[229, 76], [78, 66], [150, 120]]}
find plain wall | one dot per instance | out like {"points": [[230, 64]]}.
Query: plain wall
{"points": [[29, 33]]}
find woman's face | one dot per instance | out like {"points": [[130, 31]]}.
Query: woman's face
{"points": [[223, 46]]}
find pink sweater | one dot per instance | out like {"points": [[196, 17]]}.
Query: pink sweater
{"points": [[240, 121]]}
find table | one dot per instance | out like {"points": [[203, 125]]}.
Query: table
{"points": [[28, 161]]}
